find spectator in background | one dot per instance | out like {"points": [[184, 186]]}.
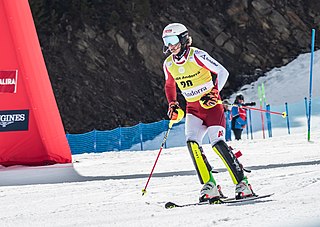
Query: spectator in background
{"points": [[239, 116], [227, 114]]}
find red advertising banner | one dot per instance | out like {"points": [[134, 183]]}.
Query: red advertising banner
{"points": [[8, 81], [31, 129]]}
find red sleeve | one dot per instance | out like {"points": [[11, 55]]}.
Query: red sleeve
{"points": [[170, 87]]}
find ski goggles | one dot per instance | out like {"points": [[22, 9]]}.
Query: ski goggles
{"points": [[173, 40]]}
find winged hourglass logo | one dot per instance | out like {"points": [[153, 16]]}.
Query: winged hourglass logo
{"points": [[14, 120]]}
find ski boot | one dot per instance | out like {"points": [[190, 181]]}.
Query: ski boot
{"points": [[243, 189], [210, 192], [222, 196]]}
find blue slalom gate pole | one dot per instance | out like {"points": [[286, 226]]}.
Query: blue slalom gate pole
{"points": [[310, 86], [247, 127], [287, 112], [250, 124], [268, 116], [228, 125], [306, 104]]}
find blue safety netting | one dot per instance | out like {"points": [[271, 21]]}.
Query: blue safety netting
{"points": [[82, 143], [150, 136], [121, 138]]}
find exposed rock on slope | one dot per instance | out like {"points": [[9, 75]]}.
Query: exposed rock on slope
{"points": [[105, 57]]}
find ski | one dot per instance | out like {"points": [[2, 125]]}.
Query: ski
{"points": [[170, 205], [255, 197]]}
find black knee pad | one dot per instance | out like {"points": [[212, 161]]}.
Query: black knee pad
{"points": [[230, 161]]}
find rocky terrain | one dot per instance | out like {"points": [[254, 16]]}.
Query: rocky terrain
{"points": [[105, 58]]}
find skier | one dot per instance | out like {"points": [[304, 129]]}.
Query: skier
{"points": [[200, 78]]}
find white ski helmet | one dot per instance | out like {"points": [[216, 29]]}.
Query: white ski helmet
{"points": [[174, 33]]}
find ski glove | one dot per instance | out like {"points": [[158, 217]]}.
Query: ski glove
{"points": [[172, 110], [210, 99]]}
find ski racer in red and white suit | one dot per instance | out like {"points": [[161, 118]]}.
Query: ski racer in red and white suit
{"points": [[200, 78]]}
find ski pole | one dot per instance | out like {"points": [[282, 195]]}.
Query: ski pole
{"points": [[283, 114], [179, 118]]}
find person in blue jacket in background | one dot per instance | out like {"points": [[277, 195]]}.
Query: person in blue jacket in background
{"points": [[239, 116]]}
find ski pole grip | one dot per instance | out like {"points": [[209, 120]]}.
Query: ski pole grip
{"points": [[178, 119]]}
